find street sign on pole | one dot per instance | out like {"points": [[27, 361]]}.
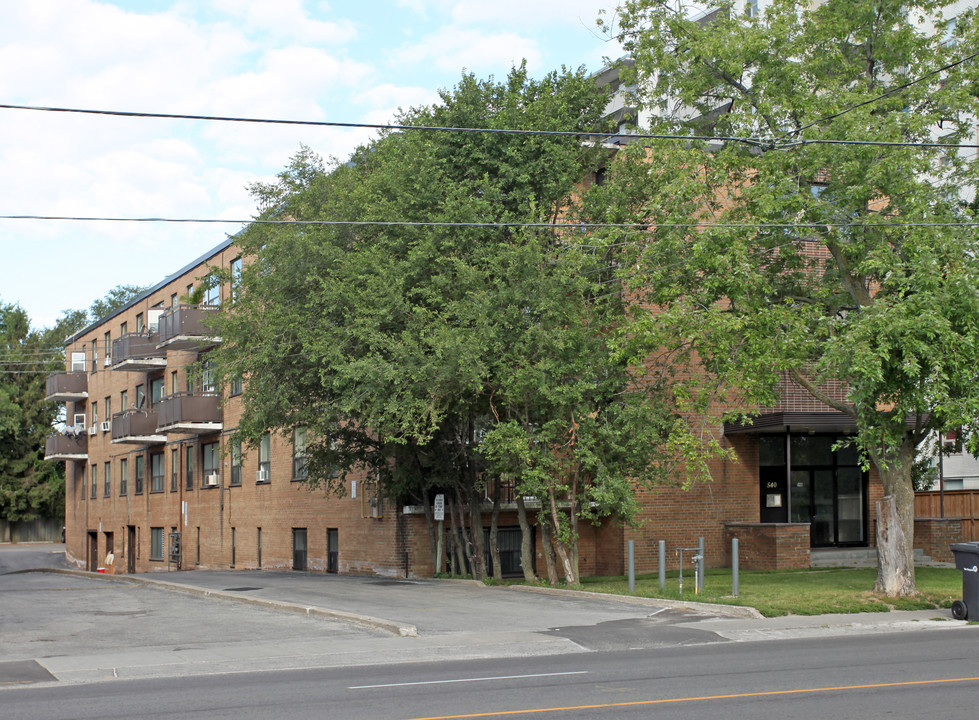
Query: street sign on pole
{"points": [[440, 507]]}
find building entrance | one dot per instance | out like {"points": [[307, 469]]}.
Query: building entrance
{"points": [[804, 479]]}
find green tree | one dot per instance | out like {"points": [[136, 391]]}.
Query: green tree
{"points": [[116, 298], [863, 273], [442, 357], [30, 487]]}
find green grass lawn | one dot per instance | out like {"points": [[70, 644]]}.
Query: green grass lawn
{"points": [[796, 592]]}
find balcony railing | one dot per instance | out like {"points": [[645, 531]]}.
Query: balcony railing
{"points": [[190, 413], [138, 352], [186, 326], [138, 427], [66, 447], [63, 387]]}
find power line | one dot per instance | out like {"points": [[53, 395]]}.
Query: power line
{"points": [[766, 143], [886, 94], [633, 227], [636, 227]]}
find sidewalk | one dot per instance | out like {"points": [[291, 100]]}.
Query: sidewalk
{"points": [[426, 608]]}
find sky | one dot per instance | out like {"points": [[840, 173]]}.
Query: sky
{"points": [[339, 61]]}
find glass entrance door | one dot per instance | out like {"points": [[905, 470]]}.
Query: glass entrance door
{"points": [[832, 502]]}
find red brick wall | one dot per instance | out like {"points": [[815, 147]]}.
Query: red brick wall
{"points": [[769, 546], [934, 535]]}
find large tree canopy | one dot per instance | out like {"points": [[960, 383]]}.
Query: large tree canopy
{"points": [[30, 487], [449, 356], [817, 260]]}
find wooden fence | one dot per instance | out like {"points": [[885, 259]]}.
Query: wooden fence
{"points": [[958, 504]]}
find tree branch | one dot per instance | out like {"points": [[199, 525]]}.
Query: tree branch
{"points": [[822, 397]]}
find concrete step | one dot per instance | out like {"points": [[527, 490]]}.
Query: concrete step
{"points": [[854, 557]]}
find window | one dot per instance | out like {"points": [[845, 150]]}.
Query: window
{"points": [[173, 382], [235, 275], [95, 413], [107, 479], [189, 479], [95, 356], [211, 460], [95, 481], [140, 396], [140, 323], [174, 469], [173, 300], [156, 472], [207, 376], [107, 344], [236, 385], [140, 469], [156, 543], [81, 475], [212, 295], [78, 361], [123, 476], [156, 391], [751, 8], [123, 401], [236, 463], [264, 474], [108, 408], [299, 460], [123, 329]]}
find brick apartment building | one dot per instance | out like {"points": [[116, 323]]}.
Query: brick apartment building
{"points": [[147, 457]]}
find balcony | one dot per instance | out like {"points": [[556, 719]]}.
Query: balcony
{"points": [[138, 427], [189, 413], [184, 327], [66, 447], [137, 352], [64, 387]]}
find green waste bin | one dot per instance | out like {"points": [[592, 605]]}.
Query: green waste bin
{"points": [[967, 560]]}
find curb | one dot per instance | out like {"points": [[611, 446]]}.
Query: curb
{"points": [[731, 611], [396, 628]]}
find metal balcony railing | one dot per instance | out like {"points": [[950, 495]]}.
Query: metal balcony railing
{"points": [[63, 387], [189, 412], [186, 326]]}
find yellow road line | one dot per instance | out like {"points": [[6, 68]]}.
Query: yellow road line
{"points": [[767, 693]]}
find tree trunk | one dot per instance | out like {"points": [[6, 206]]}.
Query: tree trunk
{"points": [[570, 577], [545, 533], [895, 551], [458, 559], [895, 526], [432, 542], [476, 524], [494, 545], [526, 542]]}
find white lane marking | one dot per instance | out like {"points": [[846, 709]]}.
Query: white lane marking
{"points": [[462, 680]]}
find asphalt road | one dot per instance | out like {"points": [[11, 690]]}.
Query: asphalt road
{"points": [[916, 675], [93, 647]]}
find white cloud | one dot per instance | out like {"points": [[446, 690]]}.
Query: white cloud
{"points": [[286, 20], [473, 50]]}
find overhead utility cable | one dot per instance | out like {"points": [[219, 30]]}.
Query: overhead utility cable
{"points": [[635, 227], [884, 95], [766, 143]]}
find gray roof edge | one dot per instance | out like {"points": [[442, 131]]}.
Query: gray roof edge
{"points": [[168, 279]]}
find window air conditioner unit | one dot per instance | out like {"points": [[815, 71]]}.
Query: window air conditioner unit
{"points": [[262, 476], [212, 480], [107, 362], [92, 430], [106, 425]]}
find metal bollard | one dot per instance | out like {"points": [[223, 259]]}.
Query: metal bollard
{"points": [[662, 564]]}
